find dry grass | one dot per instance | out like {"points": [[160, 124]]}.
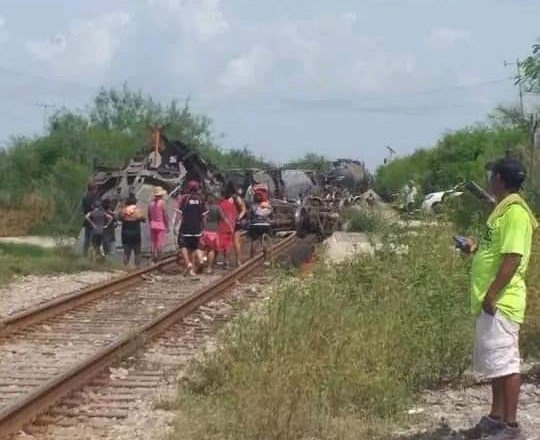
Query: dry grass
{"points": [[32, 211]]}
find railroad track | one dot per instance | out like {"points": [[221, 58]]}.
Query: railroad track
{"points": [[69, 301], [44, 360]]}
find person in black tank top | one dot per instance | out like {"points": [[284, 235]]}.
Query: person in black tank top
{"points": [[190, 214]]}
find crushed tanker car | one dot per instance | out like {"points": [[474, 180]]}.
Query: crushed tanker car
{"points": [[303, 200], [300, 184], [350, 175]]}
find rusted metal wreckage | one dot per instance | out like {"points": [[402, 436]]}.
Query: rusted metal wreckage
{"points": [[304, 200]]}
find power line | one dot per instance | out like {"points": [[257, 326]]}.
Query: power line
{"points": [[518, 82]]}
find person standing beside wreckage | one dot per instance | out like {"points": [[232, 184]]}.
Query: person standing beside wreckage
{"points": [[498, 297], [190, 218], [87, 203]]}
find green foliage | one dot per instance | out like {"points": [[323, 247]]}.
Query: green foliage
{"points": [[458, 157], [311, 161], [531, 69], [363, 220], [530, 332], [112, 130], [337, 355], [18, 259]]}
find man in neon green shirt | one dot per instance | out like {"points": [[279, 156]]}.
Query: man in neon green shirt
{"points": [[498, 297]]}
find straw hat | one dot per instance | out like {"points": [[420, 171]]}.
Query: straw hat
{"points": [[158, 191]]}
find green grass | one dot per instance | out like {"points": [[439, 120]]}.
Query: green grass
{"points": [[364, 220], [19, 259], [339, 355]]}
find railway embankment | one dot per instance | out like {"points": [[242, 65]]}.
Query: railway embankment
{"points": [[376, 346]]}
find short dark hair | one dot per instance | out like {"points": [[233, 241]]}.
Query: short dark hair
{"points": [[229, 190], [131, 199], [511, 171]]}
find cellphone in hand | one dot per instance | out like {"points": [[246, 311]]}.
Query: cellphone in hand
{"points": [[462, 243]]}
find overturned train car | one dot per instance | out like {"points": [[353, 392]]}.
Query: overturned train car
{"points": [[170, 164]]}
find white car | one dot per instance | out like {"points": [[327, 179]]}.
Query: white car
{"points": [[433, 201]]}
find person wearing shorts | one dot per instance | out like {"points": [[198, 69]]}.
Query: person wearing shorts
{"points": [[498, 298], [190, 214], [99, 220], [131, 218], [260, 220], [159, 222]]}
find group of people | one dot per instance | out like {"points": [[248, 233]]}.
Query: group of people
{"points": [[100, 222], [199, 243]]}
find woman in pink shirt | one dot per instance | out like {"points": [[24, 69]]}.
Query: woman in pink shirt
{"points": [[159, 222]]}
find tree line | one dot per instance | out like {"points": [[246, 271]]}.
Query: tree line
{"points": [[49, 173], [461, 155]]}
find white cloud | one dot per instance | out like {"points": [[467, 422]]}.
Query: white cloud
{"points": [[201, 18], [248, 70], [87, 48], [48, 49], [324, 55], [351, 17], [3, 31], [446, 38]]}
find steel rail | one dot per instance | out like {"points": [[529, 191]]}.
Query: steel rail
{"points": [[45, 310], [23, 411], [67, 302]]}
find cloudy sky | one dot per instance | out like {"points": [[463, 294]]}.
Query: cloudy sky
{"points": [[342, 78]]}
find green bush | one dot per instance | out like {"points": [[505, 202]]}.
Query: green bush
{"points": [[458, 157], [363, 220], [20, 259], [334, 355], [115, 128]]}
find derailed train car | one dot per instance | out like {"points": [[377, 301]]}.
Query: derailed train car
{"points": [[170, 164], [350, 175], [304, 200]]}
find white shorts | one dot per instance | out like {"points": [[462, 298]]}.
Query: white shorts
{"points": [[496, 346]]}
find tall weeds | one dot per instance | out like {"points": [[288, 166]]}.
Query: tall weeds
{"points": [[333, 355]]}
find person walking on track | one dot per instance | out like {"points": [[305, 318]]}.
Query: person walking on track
{"points": [[190, 217], [498, 298], [131, 218], [208, 247], [231, 209], [159, 222], [260, 220]]}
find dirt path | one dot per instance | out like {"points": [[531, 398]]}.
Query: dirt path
{"points": [[445, 412]]}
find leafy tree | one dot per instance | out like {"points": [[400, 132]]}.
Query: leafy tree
{"points": [[508, 117], [311, 161], [115, 127], [458, 157], [531, 69]]}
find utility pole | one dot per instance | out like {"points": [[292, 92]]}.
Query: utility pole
{"points": [[391, 156], [45, 108], [518, 82]]}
